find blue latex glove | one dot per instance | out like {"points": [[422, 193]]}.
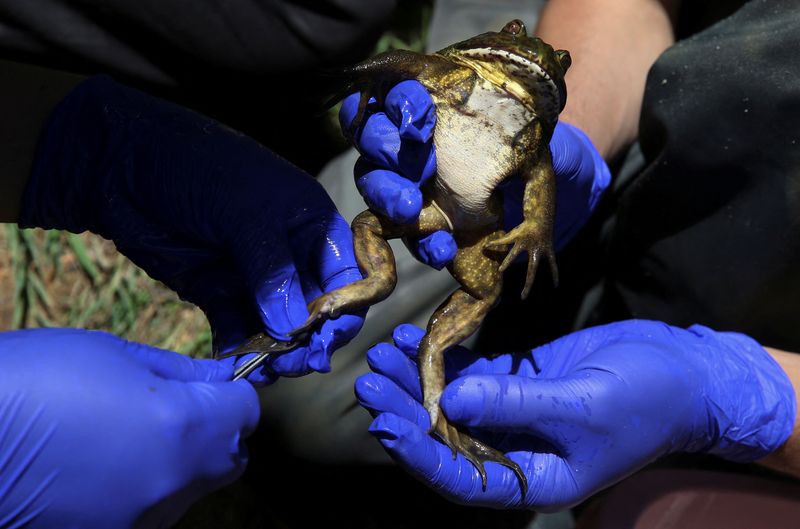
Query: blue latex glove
{"points": [[223, 221], [584, 411], [398, 156], [97, 432]]}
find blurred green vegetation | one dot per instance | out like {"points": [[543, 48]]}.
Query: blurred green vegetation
{"points": [[61, 279], [408, 28]]}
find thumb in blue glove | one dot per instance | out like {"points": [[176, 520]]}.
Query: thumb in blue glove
{"points": [[585, 411], [398, 157], [97, 432]]}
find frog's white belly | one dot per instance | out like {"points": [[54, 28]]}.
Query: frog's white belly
{"points": [[474, 152]]}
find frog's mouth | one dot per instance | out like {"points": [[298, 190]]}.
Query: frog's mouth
{"points": [[521, 77]]}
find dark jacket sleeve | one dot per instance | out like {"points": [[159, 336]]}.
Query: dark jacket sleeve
{"points": [[173, 41]]}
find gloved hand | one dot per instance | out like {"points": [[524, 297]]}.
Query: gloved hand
{"points": [[582, 412], [398, 156], [97, 432], [223, 221]]}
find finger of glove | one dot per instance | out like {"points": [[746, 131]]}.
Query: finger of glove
{"points": [[436, 250], [379, 394], [433, 463], [407, 338], [275, 282], [582, 177], [174, 366], [348, 110], [549, 408], [332, 255], [380, 143], [390, 362], [411, 108], [388, 193]]}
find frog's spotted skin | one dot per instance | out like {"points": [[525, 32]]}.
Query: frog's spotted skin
{"points": [[497, 99]]}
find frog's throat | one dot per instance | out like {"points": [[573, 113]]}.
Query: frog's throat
{"points": [[537, 94], [446, 218]]}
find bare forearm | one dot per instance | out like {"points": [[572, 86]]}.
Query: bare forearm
{"points": [[27, 96], [613, 43], [787, 458]]}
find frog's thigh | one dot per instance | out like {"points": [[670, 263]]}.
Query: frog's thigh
{"points": [[374, 255], [477, 270]]}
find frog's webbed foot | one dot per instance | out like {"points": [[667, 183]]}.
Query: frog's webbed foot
{"points": [[328, 306], [527, 237], [475, 451]]}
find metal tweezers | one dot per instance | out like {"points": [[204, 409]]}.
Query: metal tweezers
{"points": [[265, 347]]}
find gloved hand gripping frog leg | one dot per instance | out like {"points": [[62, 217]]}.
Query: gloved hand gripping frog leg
{"points": [[477, 269]]}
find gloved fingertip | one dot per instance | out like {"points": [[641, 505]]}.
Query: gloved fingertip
{"points": [[462, 400], [320, 352], [215, 370], [262, 377], [366, 387], [292, 363], [407, 337], [438, 249], [377, 355], [411, 108], [392, 431], [406, 205], [348, 110]]}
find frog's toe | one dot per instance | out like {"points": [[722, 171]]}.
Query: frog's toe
{"points": [[326, 307], [476, 452], [530, 275], [551, 257]]}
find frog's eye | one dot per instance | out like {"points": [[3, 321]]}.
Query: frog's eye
{"points": [[515, 27], [564, 59]]}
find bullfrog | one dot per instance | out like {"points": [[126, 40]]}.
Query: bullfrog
{"points": [[497, 99]]}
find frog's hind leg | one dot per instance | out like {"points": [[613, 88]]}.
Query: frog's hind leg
{"points": [[376, 263], [454, 321]]}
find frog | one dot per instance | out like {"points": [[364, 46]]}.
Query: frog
{"points": [[497, 98]]}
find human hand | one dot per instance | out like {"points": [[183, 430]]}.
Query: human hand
{"points": [[583, 412], [226, 223], [398, 156], [98, 432]]}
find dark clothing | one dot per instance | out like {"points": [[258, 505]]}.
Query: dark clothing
{"points": [[251, 64], [709, 232], [180, 42], [707, 229]]}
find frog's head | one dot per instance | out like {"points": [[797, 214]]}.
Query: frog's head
{"points": [[526, 67]]}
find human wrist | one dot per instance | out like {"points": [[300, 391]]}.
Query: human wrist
{"points": [[750, 404], [786, 458]]}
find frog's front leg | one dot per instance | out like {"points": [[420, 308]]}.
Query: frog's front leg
{"points": [[375, 261], [535, 234]]}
